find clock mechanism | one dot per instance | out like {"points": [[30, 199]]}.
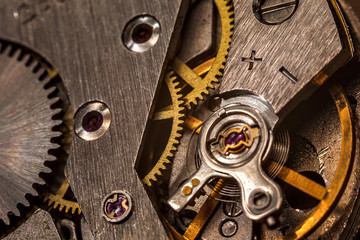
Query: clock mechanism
{"points": [[203, 119]]}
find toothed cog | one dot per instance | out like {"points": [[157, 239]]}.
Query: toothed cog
{"points": [[26, 123]]}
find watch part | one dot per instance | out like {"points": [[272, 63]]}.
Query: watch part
{"points": [[59, 200], [285, 63], [26, 130], [39, 226], [200, 85], [210, 70], [174, 112], [95, 65]]}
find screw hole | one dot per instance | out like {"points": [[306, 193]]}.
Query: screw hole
{"points": [[142, 33], [92, 121], [259, 199]]}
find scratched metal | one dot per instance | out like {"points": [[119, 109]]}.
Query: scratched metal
{"points": [[304, 45], [38, 226], [83, 41], [24, 143]]}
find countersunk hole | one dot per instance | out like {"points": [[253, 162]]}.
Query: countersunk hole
{"points": [[92, 121]]}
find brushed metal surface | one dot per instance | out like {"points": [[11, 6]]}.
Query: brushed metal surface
{"points": [[199, 21], [39, 226], [83, 41], [26, 122], [302, 46]]}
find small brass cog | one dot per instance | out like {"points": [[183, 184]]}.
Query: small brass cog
{"points": [[200, 87], [60, 202]]}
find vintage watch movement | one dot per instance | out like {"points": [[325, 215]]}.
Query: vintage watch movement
{"points": [[179, 119]]}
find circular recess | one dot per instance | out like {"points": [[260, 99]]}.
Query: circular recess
{"points": [[273, 12], [259, 199], [228, 228], [141, 33], [92, 120]]}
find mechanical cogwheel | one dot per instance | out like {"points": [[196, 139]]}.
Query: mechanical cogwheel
{"points": [[200, 86], [58, 200], [212, 69], [26, 128], [62, 199], [176, 113]]}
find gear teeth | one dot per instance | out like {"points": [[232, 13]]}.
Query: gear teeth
{"points": [[199, 92], [226, 13], [61, 204], [51, 89], [39, 181], [30, 63], [17, 211], [57, 122], [7, 51], [175, 135], [30, 176], [6, 220], [17, 54], [46, 169], [33, 192]]}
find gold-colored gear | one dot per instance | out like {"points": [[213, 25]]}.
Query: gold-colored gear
{"points": [[60, 202], [200, 87], [176, 113]]}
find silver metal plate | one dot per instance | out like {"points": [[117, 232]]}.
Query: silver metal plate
{"points": [[83, 41], [278, 61]]}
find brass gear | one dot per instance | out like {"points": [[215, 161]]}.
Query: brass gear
{"points": [[200, 87], [57, 201], [176, 112]]}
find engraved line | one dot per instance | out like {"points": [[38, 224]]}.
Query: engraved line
{"points": [[277, 7], [287, 74]]}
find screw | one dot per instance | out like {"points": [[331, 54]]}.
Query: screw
{"points": [[92, 120], [116, 206], [274, 12], [141, 33], [232, 209], [228, 228]]}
